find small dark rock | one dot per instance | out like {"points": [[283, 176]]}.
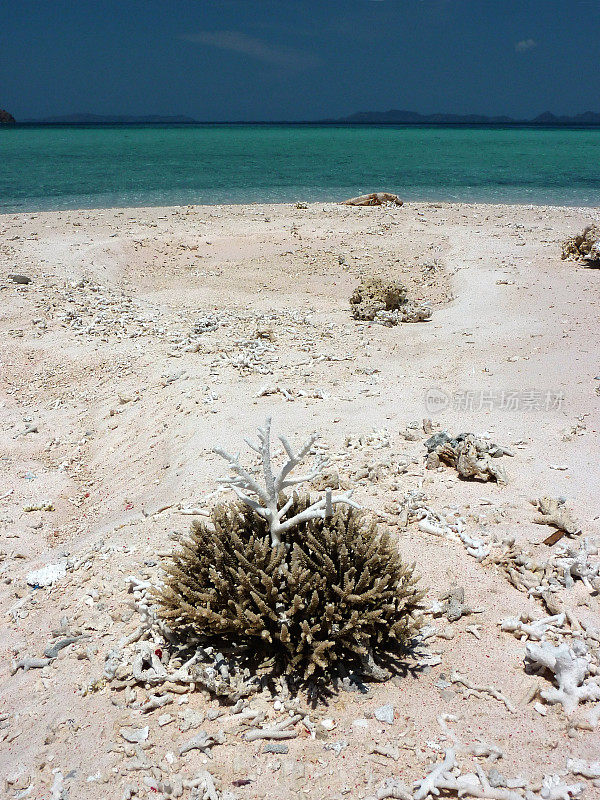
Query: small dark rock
{"points": [[436, 440]]}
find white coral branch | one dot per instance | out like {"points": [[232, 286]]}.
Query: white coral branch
{"points": [[577, 766], [570, 667], [265, 499], [456, 677], [553, 788], [442, 778], [445, 776], [435, 780], [524, 627], [575, 563]]}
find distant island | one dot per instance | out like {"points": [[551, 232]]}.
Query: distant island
{"points": [[110, 119], [413, 118], [392, 117]]}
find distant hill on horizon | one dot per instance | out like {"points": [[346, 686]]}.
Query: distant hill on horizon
{"points": [[6, 118], [414, 118], [391, 117], [108, 119]]}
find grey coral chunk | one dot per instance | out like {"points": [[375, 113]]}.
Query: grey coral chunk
{"points": [[276, 748], [437, 440], [53, 650], [203, 742], [29, 663], [473, 457], [454, 606]]}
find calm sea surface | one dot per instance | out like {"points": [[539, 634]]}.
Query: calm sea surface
{"points": [[87, 167]]}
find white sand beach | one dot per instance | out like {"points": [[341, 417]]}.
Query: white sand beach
{"points": [[147, 337]]}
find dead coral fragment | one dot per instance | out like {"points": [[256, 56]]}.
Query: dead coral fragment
{"points": [[385, 302], [570, 667], [374, 199], [552, 511], [376, 294], [473, 457], [453, 605], [584, 247], [408, 312], [336, 594]]}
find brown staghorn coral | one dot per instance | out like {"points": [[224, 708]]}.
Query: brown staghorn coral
{"points": [[336, 597]]}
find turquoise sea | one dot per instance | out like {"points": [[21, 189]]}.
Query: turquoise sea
{"points": [[66, 167]]}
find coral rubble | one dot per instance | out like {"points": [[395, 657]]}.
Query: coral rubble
{"points": [[385, 302], [585, 246], [473, 457]]}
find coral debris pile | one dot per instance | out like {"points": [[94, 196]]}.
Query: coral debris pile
{"points": [[473, 457], [385, 302], [585, 246]]}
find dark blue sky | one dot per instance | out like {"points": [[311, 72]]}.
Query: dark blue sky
{"points": [[298, 59]]}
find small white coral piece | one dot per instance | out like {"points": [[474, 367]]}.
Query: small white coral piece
{"points": [[475, 547], [392, 789], [437, 778], [526, 628], [578, 766], [575, 563], [553, 788]]}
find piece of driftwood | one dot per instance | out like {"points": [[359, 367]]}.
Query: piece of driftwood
{"points": [[374, 199]]}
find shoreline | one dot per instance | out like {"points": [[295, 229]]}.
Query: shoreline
{"points": [[322, 124], [292, 203]]}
